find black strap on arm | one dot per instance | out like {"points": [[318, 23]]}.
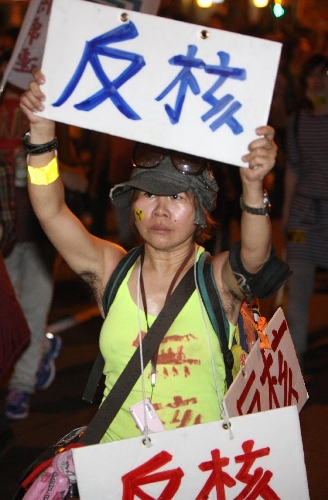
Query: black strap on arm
{"points": [[266, 281], [121, 389], [118, 276]]}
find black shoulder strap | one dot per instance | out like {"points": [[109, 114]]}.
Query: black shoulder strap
{"points": [[212, 302], [118, 276], [112, 286], [119, 392]]}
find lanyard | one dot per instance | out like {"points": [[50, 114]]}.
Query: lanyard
{"points": [[168, 295]]}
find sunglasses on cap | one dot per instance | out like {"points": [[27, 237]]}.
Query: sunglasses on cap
{"points": [[146, 156]]}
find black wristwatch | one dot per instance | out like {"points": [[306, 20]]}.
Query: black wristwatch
{"points": [[257, 211], [38, 149]]}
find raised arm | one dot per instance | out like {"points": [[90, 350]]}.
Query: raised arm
{"points": [[90, 257], [241, 272], [255, 228]]}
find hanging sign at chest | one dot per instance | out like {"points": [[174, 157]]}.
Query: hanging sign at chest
{"points": [[260, 457], [156, 80], [271, 378]]}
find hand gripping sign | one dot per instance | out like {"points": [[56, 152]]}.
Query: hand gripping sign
{"points": [[157, 80]]}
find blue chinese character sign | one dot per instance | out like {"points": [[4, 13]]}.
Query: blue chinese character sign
{"points": [[156, 80]]}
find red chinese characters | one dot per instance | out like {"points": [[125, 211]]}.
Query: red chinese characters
{"points": [[256, 480], [276, 377]]}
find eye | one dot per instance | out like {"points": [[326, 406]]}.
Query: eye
{"points": [[146, 194]]}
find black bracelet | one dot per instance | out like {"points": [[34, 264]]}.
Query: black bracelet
{"points": [[38, 149], [257, 211]]}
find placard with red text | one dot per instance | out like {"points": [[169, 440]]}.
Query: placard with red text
{"points": [[272, 378], [261, 458]]}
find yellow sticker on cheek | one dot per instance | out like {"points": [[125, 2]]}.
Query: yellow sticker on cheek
{"points": [[139, 214]]}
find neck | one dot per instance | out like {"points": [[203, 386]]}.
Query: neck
{"points": [[169, 286], [167, 261]]}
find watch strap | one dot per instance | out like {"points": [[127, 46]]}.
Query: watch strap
{"points": [[257, 211]]}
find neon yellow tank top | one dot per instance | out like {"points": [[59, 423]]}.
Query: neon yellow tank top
{"points": [[185, 392]]}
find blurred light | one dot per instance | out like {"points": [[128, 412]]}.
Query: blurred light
{"points": [[204, 4], [218, 1], [260, 3], [278, 10]]}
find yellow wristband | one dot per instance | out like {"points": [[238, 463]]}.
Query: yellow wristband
{"points": [[42, 176]]}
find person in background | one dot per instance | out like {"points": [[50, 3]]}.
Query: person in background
{"points": [[29, 263], [14, 331], [305, 210]]}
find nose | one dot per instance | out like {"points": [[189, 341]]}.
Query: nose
{"points": [[161, 207]]}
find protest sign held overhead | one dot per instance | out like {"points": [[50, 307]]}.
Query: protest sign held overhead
{"points": [[156, 80]]}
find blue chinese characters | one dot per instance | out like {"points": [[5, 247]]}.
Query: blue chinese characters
{"points": [[222, 109], [98, 47]]}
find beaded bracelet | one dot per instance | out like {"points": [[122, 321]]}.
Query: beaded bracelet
{"points": [[42, 176]]}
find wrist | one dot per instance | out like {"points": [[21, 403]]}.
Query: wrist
{"points": [[255, 206], [38, 148], [252, 194], [43, 132]]}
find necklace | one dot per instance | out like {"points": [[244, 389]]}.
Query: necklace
{"points": [[168, 294]]}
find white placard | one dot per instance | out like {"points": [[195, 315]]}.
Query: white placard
{"points": [[264, 456], [156, 80], [29, 47], [272, 378]]}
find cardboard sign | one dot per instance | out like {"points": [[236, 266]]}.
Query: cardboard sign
{"points": [[156, 80], [28, 51], [261, 457], [271, 378]]}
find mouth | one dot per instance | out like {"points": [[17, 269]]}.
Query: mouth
{"points": [[160, 228]]}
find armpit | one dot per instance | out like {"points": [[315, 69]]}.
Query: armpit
{"points": [[231, 304], [95, 283]]}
